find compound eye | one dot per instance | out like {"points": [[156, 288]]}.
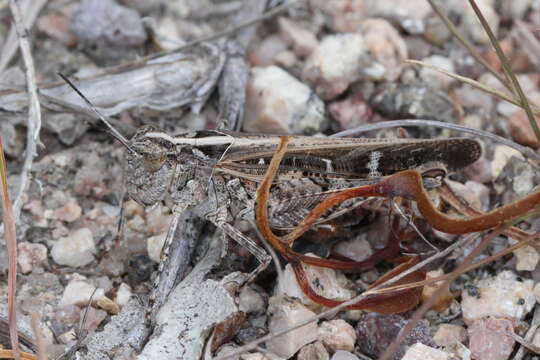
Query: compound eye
{"points": [[153, 162]]}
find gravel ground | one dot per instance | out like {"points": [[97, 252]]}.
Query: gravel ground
{"points": [[304, 68]]}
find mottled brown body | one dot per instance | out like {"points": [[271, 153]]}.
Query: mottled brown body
{"points": [[218, 173]]}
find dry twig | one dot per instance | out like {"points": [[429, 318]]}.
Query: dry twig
{"points": [[31, 8], [516, 88], [11, 243], [34, 109]]}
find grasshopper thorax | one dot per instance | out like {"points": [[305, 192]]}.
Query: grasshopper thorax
{"points": [[149, 167]]}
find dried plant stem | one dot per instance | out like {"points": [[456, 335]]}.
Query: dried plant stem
{"points": [[524, 103], [31, 9], [34, 108], [475, 84], [466, 44], [9, 354], [418, 314], [11, 243], [40, 342], [535, 323]]}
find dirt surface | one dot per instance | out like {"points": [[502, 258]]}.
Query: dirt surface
{"points": [[312, 68]]}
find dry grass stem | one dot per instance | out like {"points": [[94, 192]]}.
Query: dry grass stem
{"points": [[34, 108], [466, 44], [419, 313], [11, 244], [475, 84], [31, 9], [524, 103]]}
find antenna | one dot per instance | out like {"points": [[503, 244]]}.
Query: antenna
{"points": [[115, 133]]}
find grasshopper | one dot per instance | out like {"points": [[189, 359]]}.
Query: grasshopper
{"points": [[216, 174]]}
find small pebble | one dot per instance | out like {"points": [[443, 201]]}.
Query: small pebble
{"points": [[489, 340], [526, 257], [67, 337], [410, 15], [386, 46], [250, 300], [344, 355], [357, 249], [336, 62], [536, 291], [473, 27], [108, 305], [123, 294], [157, 220], [475, 194], [520, 129], [420, 351], [501, 296], [30, 256], [155, 246], [278, 103], [75, 250], [79, 292], [342, 16], [57, 27], [140, 268], [436, 31], [502, 155], [444, 300], [415, 100], [286, 59], [114, 262], [303, 41], [337, 335], [436, 78], [449, 334], [225, 349], [324, 281], [107, 30], [350, 112], [92, 318], [285, 313], [313, 351], [376, 332], [470, 97], [70, 212], [260, 356], [264, 53], [13, 145]]}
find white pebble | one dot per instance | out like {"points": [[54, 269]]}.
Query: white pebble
{"points": [[284, 314], [77, 249], [154, 246], [79, 292], [30, 255], [328, 285], [123, 294], [278, 103], [337, 335], [250, 300], [449, 334], [420, 351], [502, 296], [336, 62], [344, 355]]}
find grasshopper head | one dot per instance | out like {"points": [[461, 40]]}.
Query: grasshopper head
{"points": [[149, 168]]}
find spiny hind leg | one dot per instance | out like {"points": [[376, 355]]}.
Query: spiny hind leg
{"points": [[251, 245]]}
